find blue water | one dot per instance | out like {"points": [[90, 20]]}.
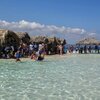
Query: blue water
{"points": [[72, 77]]}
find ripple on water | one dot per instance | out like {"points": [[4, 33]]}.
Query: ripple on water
{"points": [[75, 77]]}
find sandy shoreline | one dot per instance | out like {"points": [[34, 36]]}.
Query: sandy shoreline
{"points": [[46, 56]]}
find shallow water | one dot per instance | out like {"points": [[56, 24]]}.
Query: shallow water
{"points": [[73, 77]]}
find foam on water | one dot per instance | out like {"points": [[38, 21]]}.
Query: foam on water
{"points": [[75, 77]]}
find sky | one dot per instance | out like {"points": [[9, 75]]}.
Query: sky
{"points": [[69, 19]]}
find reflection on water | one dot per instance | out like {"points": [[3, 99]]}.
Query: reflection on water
{"points": [[75, 77]]}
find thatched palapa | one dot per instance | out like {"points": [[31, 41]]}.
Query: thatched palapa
{"points": [[38, 39], [54, 39], [8, 38], [88, 41], [43, 39], [24, 37]]}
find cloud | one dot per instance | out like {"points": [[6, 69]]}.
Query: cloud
{"points": [[34, 28], [92, 34]]}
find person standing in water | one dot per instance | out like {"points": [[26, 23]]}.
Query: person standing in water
{"points": [[17, 56], [41, 54], [34, 56]]}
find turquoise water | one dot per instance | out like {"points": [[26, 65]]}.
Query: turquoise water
{"points": [[72, 77]]}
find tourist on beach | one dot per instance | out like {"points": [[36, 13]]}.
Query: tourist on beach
{"points": [[96, 49], [17, 56], [40, 57], [60, 49], [41, 54], [85, 49], [65, 49], [89, 49], [34, 56]]}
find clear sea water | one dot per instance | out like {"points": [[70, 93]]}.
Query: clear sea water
{"points": [[72, 77]]}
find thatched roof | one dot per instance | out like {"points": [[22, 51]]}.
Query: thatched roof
{"points": [[24, 37], [8, 37], [40, 39], [52, 39], [88, 41]]}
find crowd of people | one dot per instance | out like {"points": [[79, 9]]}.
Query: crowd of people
{"points": [[37, 51], [33, 50], [87, 49]]}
